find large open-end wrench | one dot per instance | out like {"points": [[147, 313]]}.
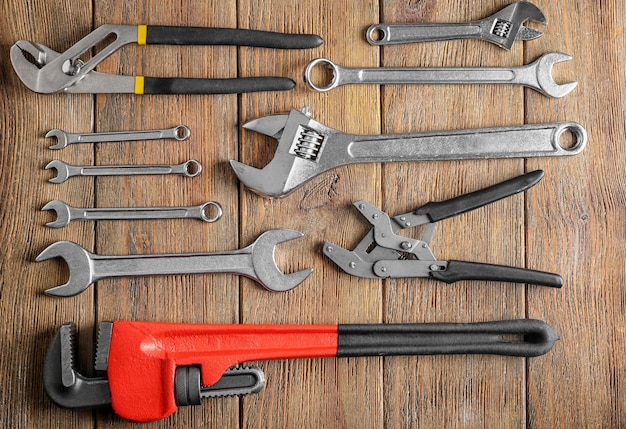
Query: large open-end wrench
{"points": [[255, 261], [66, 213], [190, 168], [537, 75], [502, 28], [179, 133], [307, 148]]}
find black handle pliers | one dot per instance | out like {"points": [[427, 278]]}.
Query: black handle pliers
{"points": [[383, 254], [47, 71]]}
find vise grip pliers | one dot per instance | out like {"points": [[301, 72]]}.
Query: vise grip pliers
{"points": [[382, 253], [152, 368], [47, 71]]}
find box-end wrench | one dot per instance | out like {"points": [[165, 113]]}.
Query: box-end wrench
{"points": [[255, 261], [190, 168], [537, 75], [66, 213], [179, 133]]}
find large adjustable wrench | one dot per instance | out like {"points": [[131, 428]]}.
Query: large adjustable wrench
{"points": [[153, 368], [307, 148], [255, 261]]}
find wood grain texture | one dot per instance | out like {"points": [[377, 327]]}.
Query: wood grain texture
{"points": [[573, 222]]}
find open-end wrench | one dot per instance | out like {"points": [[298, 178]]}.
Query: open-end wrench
{"points": [[255, 261], [502, 28], [190, 168], [537, 75], [179, 133], [153, 368], [307, 148], [66, 213]]}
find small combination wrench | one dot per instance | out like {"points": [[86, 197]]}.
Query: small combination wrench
{"points": [[255, 261], [502, 28], [537, 75], [66, 213], [190, 168], [64, 139], [153, 368]]}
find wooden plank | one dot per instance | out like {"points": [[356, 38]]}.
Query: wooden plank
{"points": [[29, 319], [313, 393], [181, 298], [576, 224], [453, 391]]}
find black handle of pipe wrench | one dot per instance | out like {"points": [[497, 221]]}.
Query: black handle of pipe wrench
{"points": [[171, 35], [522, 337], [463, 270], [440, 210], [157, 85]]}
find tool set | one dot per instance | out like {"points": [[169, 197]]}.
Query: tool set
{"points": [[152, 368]]}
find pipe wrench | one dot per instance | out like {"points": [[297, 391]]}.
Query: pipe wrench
{"points": [[152, 368], [46, 71], [382, 253]]}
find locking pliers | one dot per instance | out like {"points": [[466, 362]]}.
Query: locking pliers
{"points": [[47, 71], [384, 254]]}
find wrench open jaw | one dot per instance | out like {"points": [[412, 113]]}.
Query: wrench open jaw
{"points": [[255, 261], [308, 148], [502, 28]]}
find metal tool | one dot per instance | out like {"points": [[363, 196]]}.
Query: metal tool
{"points": [[44, 70], [153, 368], [64, 171], [255, 261], [179, 133], [307, 148], [537, 75], [502, 28], [66, 213], [382, 253]]}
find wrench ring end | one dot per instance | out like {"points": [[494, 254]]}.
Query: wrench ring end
{"points": [[204, 209], [330, 65], [578, 132], [182, 132], [192, 168], [376, 35]]}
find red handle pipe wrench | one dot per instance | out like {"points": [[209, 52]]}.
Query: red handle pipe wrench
{"points": [[152, 368]]}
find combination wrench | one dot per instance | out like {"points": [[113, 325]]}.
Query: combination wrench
{"points": [[536, 75], [190, 168], [255, 261], [66, 213], [180, 133]]}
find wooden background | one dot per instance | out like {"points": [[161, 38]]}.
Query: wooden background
{"points": [[572, 222]]}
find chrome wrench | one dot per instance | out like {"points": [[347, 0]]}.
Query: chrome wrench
{"points": [[179, 133], [536, 75], [190, 168], [66, 213]]}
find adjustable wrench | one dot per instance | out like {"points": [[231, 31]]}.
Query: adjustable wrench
{"points": [[190, 168], [153, 368], [255, 261], [66, 213], [537, 75], [307, 148], [179, 133], [502, 28]]}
